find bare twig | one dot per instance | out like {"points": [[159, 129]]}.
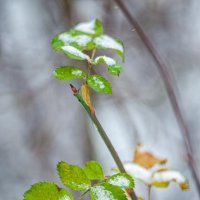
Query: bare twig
{"points": [[167, 79]]}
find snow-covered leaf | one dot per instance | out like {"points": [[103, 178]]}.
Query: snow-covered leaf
{"points": [[74, 53], [159, 178], [46, 191], [99, 84], [73, 176], [122, 180], [68, 73], [93, 28], [113, 67], [138, 172], [163, 177], [107, 42], [71, 38], [106, 191]]}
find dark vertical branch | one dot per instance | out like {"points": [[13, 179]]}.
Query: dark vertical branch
{"points": [[167, 79]]}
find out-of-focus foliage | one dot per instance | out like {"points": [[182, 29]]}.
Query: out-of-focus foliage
{"points": [[142, 169]]}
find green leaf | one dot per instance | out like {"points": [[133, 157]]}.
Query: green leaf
{"points": [[72, 38], [122, 180], [113, 67], [93, 28], [47, 191], [74, 53], [93, 170], [107, 42], [99, 84], [56, 43], [106, 191], [68, 73], [73, 176]]}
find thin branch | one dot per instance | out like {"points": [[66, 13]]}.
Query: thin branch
{"points": [[149, 192], [89, 64], [167, 79], [102, 133], [82, 195]]}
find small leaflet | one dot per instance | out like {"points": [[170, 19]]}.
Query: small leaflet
{"points": [[106, 191], [109, 61], [73, 176], [107, 42], [122, 180], [99, 84], [93, 170], [93, 27], [113, 67], [68, 73], [47, 190], [75, 53]]}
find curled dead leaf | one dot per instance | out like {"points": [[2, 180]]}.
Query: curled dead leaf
{"points": [[145, 158], [162, 178], [86, 96]]}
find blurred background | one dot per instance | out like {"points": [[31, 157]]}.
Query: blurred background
{"points": [[40, 121]]}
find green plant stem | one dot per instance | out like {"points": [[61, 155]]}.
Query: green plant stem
{"points": [[149, 192], [102, 134], [82, 195], [89, 64]]}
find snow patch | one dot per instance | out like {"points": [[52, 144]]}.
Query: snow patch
{"points": [[77, 72], [109, 61], [81, 40], [65, 198], [74, 51], [138, 172], [98, 82], [86, 27], [168, 175], [119, 181], [102, 194], [106, 41]]}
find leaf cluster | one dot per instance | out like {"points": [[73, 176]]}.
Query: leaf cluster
{"points": [[89, 179], [77, 43]]}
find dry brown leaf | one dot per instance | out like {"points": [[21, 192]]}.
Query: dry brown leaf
{"points": [[162, 178], [86, 96], [146, 159]]}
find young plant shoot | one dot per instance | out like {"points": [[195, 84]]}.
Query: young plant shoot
{"points": [[81, 43]]}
